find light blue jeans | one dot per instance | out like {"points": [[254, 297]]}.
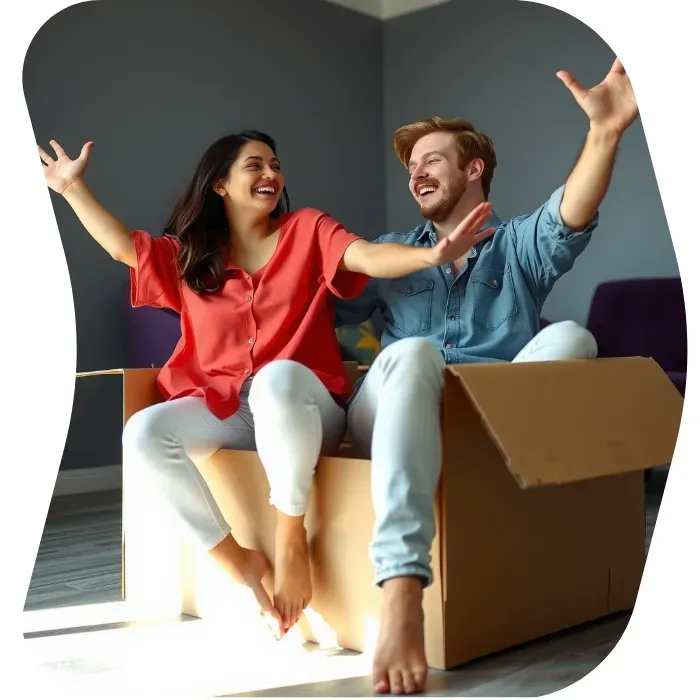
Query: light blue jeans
{"points": [[394, 418], [286, 414]]}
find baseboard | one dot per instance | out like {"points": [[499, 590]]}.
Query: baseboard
{"points": [[90, 480]]}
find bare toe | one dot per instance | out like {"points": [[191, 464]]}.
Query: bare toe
{"points": [[420, 678], [409, 683], [396, 681], [380, 679]]}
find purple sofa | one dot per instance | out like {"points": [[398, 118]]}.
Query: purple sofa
{"points": [[642, 317], [152, 334]]}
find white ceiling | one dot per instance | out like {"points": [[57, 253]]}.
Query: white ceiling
{"points": [[386, 9]]}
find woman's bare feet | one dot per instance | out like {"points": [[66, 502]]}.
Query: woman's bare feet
{"points": [[248, 567], [292, 591], [400, 666]]}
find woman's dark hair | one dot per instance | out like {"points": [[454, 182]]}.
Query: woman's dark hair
{"points": [[198, 221]]}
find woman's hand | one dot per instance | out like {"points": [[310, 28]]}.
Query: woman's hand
{"points": [[62, 172], [394, 260], [65, 176], [467, 234]]}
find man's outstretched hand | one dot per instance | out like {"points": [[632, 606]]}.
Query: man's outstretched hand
{"points": [[611, 105]]}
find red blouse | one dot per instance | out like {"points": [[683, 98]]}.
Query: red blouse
{"points": [[284, 311]]}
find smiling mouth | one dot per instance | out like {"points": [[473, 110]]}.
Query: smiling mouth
{"points": [[265, 191], [426, 191]]}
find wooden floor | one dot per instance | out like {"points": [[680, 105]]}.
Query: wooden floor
{"points": [[79, 634], [79, 558]]}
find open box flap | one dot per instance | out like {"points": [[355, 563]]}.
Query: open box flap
{"points": [[140, 387], [99, 373], [567, 421]]}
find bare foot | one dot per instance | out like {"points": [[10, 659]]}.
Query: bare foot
{"points": [[292, 591], [400, 666], [259, 566], [248, 567]]}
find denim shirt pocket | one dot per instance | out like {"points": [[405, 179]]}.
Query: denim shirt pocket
{"points": [[494, 297], [411, 304]]}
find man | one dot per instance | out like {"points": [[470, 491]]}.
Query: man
{"points": [[483, 307]]}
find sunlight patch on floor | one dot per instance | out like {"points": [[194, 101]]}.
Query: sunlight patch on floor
{"points": [[193, 659]]}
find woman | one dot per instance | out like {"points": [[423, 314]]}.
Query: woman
{"points": [[258, 365]]}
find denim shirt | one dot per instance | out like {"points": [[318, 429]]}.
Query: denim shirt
{"points": [[488, 311]]}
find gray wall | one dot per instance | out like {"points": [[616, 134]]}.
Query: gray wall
{"points": [[494, 62], [153, 84]]}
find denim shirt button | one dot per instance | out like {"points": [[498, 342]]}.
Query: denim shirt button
{"points": [[448, 346], [494, 284]]}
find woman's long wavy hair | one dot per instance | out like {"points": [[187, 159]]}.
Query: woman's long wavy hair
{"points": [[198, 221]]}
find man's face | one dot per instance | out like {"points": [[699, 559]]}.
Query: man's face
{"points": [[437, 182]]}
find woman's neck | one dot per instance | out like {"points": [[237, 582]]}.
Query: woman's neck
{"points": [[246, 232], [252, 241]]}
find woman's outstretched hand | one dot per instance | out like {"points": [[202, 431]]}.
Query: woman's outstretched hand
{"points": [[65, 176], [61, 172]]}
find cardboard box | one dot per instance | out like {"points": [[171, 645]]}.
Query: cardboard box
{"points": [[540, 511]]}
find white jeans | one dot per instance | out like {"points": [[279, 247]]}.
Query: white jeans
{"points": [[286, 414], [395, 418]]}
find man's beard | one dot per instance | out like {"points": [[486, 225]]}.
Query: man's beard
{"points": [[440, 210]]}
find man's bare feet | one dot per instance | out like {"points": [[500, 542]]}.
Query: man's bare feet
{"points": [[292, 591], [400, 666], [248, 567]]}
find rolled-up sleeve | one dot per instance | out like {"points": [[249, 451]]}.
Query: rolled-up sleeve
{"points": [[333, 241], [155, 280], [546, 247]]}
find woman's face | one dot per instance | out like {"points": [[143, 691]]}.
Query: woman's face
{"points": [[255, 180]]}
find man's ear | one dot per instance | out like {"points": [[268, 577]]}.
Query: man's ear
{"points": [[474, 169]]}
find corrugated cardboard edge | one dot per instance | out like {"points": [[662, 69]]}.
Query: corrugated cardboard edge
{"points": [[523, 481], [486, 424], [439, 657], [442, 533]]}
